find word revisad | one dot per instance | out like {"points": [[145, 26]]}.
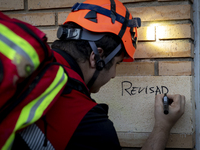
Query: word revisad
{"points": [[127, 87]]}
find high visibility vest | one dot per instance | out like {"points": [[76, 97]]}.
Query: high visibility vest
{"points": [[29, 82], [55, 129]]}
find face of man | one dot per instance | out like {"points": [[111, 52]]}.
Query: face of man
{"points": [[105, 75]]}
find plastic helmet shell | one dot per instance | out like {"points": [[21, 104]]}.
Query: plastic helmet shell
{"points": [[104, 23]]}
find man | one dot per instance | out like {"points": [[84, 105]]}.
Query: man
{"points": [[96, 36]]}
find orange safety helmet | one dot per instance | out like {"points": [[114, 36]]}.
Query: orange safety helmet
{"points": [[107, 16]]}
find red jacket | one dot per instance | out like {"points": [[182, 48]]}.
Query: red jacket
{"points": [[75, 121]]}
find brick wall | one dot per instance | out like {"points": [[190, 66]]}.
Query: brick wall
{"points": [[166, 25], [164, 52]]}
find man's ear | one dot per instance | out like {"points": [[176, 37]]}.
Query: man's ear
{"points": [[92, 57], [100, 51], [92, 60]]}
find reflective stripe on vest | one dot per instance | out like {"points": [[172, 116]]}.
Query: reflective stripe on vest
{"points": [[15, 47], [35, 138], [34, 110]]}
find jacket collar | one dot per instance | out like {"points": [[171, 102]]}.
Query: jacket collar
{"points": [[70, 60]]}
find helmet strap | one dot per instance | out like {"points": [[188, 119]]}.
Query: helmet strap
{"points": [[100, 63], [93, 79]]}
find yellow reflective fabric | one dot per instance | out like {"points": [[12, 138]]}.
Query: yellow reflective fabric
{"points": [[34, 110], [11, 43], [7, 51]]}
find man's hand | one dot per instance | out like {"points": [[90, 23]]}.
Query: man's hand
{"points": [[176, 110], [163, 123]]}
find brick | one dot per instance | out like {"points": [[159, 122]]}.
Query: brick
{"points": [[168, 0], [62, 16], [132, 139], [157, 13], [164, 49], [182, 31], [135, 69], [131, 105], [175, 68], [128, 139], [46, 4], [171, 0], [146, 33], [11, 5], [51, 34], [36, 19], [126, 1]]}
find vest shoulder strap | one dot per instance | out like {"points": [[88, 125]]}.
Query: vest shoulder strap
{"points": [[75, 82]]}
